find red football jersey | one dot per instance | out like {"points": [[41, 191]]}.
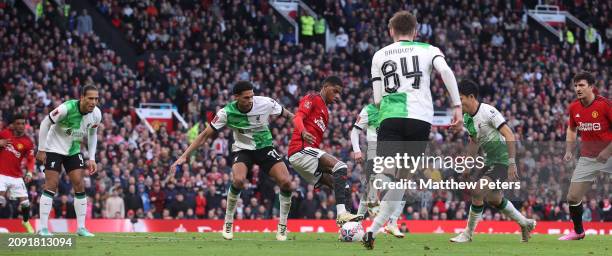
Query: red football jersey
{"points": [[14, 152], [315, 116], [593, 123]]}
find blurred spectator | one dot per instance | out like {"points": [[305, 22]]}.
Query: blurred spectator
{"points": [[115, 207], [84, 23]]}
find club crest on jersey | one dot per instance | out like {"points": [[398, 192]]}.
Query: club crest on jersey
{"points": [[68, 131], [307, 104], [19, 146], [594, 114], [577, 115], [55, 113]]}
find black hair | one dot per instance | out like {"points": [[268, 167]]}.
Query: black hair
{"points": [[16, 117], [468, 87], [584, 75], [242, 86], [87, 88], [333, 80]]}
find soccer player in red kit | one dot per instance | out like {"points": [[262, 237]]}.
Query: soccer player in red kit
{"points": [[14, 147], [590, 116], [313, 164]]}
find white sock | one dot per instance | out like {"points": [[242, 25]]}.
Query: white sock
{"points": [[340, 209], [396, 214], [80, 208], [386, 209], [473, 218], [362, 207], [512, 212], [46, 203], [231, 205], [285, 206]]}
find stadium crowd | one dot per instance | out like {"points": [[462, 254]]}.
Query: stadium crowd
{"points": [[207, 46]]}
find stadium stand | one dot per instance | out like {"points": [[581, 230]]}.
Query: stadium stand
{"points": [[194, 52]]}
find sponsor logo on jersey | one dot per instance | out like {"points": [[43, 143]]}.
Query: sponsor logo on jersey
{"points": [[588, 127], [10, 148], [594, 114], [74, 133], [319, 122]]}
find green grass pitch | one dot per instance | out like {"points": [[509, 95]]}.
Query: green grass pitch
{"points": [[252, 244]]}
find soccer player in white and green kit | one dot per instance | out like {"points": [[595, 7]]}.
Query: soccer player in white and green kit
{"points": [[59, 144], [488, 131], [248, 117], [368, 119], [401, 80]]}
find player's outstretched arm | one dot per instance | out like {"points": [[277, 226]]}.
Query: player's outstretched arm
{"points": [[355, 142], [287, 114], [605, 154], [448, 77], [92, 144], [45, 125], [30, 166], [201, 139], [570, 143], [511, 143], [377, 83]]}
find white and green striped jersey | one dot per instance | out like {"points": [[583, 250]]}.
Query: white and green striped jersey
{"points": [[368, 119], [69, 127], [250, 129], [484, 127], [405, 69]]}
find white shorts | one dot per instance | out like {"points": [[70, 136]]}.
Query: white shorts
{"points": [[306, 163], [16, 186], [588, 168]]}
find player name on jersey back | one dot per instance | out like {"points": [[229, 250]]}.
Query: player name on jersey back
{"points": [[405, 68]]}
